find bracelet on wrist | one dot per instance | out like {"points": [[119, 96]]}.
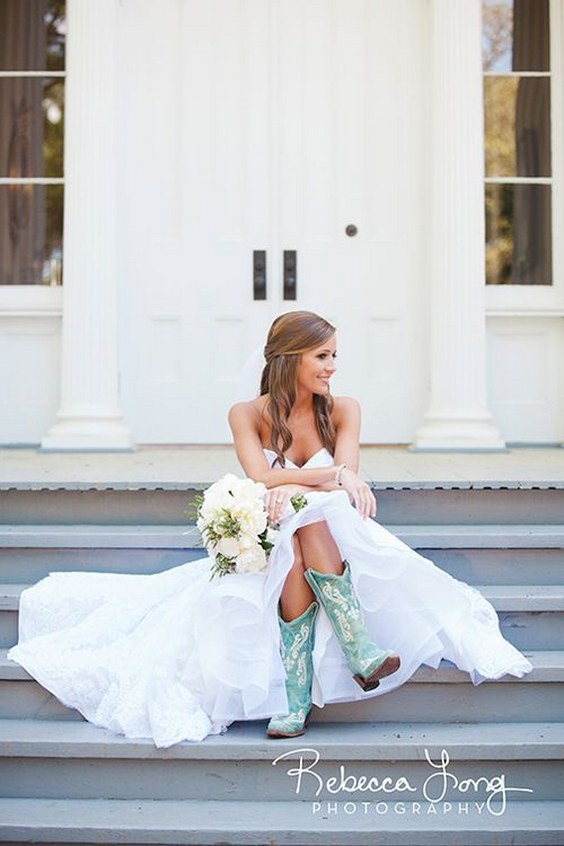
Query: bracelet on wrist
{"points": [[338, 474]]}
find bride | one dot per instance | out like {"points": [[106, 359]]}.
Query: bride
{"points": [[344, 611]]}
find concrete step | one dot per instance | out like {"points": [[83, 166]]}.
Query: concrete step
{"points": [[88, 822], [531, 616], [476, 566], [503, 597], [478, 554], [495, 566], [444, 694], [420, 502], [137, 535], [341, 742], [61, 760]]}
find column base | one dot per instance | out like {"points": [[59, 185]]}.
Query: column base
{"points": [[464, 433], [88, 433]]}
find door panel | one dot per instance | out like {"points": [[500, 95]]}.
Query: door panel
{"points": [[204, 209], [272, 126], [346, 111]]}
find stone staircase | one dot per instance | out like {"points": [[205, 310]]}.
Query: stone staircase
{"points": [[447, 748]]}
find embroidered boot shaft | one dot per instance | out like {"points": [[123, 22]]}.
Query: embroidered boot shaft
{"points": [[297, 638], [366, 661]]}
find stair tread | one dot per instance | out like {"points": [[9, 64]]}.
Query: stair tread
{"points": [[429, 536], [339, 741], [548, 667], [192, 821], [524, 597], [61, 535], [519, 597]]}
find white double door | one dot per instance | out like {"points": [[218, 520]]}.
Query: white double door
{"points": [[259, 130]]}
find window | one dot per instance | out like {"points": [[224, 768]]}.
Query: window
{"points": [[517, 112], [32, 89]]}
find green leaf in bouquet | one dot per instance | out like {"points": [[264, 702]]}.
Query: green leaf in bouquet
{"points": [[193, 510], [223, 566], [298, 501], [265, 543]]}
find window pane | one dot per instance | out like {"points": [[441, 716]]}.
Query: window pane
{"points": [[517, 125], [515, 35], [32, 35], [31, 127], [31, 234], [518, 235]]}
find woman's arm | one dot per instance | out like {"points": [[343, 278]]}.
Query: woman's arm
{"points": [[244, 422], [346, 415]]}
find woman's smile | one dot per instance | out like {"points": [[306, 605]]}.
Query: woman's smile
{"points": [[317, 366]]}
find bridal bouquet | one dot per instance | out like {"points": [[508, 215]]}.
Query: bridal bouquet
{"points": [[232, 520]]}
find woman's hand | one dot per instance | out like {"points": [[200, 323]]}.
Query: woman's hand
{"points": [[359, 493], [277, 499]]}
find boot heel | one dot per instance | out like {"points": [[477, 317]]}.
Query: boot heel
{"points": [[367, 662], [389, 666], [278, 733]]}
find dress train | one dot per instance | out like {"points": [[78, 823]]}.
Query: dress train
{"points": [[175, 656]]}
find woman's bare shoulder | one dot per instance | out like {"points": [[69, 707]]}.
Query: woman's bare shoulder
{"points": [[254, 406], [345, 407], [251, 411]]}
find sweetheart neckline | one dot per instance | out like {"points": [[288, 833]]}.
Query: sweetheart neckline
{"points": [[301, 466]]}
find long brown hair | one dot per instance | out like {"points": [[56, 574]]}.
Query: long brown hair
{"points": [[290, 335]]}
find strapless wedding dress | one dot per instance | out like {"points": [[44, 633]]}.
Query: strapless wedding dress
{"points": [[174, 656]]}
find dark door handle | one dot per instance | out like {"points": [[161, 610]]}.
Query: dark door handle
{"points": [[259, 274], [290, 274]]}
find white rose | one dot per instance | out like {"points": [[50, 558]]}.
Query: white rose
{"points": [[218, 495], [226, 483], [251, 561], [251, 516], [247, 541], [247, 490], [242, 498], [211, 506], [228, 547]]}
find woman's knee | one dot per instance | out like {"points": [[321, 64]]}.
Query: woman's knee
{"points": [[313, 530], [298, 553], [318, 547]]}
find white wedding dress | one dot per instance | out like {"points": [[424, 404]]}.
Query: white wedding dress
{"points": [[174, 656]]}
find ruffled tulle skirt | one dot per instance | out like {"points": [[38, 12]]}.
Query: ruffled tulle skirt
{"points": [[176, 656]]}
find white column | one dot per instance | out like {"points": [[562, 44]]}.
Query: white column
{"points": [[89, 417], [457, 415]]}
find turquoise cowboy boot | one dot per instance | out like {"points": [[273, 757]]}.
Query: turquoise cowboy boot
{"points": [[366, 661], [296, 647]]}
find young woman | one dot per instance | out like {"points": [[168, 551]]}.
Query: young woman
{"points": [[297, 416], [344, 610], [297, 438]]}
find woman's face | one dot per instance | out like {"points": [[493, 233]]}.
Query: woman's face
{"points": [[317, 366]]}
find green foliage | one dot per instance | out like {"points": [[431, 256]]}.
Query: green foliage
{"points": [[298, 501], [223, 566], [55, 33]]}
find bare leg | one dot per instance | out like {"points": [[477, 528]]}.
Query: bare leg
{"points": [[319, 550], [313, 547], [296, 594]]}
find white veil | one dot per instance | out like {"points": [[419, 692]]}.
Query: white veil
{"points": [[248, 384]]}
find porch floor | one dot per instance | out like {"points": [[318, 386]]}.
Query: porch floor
{"points": [[180, 467]]}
